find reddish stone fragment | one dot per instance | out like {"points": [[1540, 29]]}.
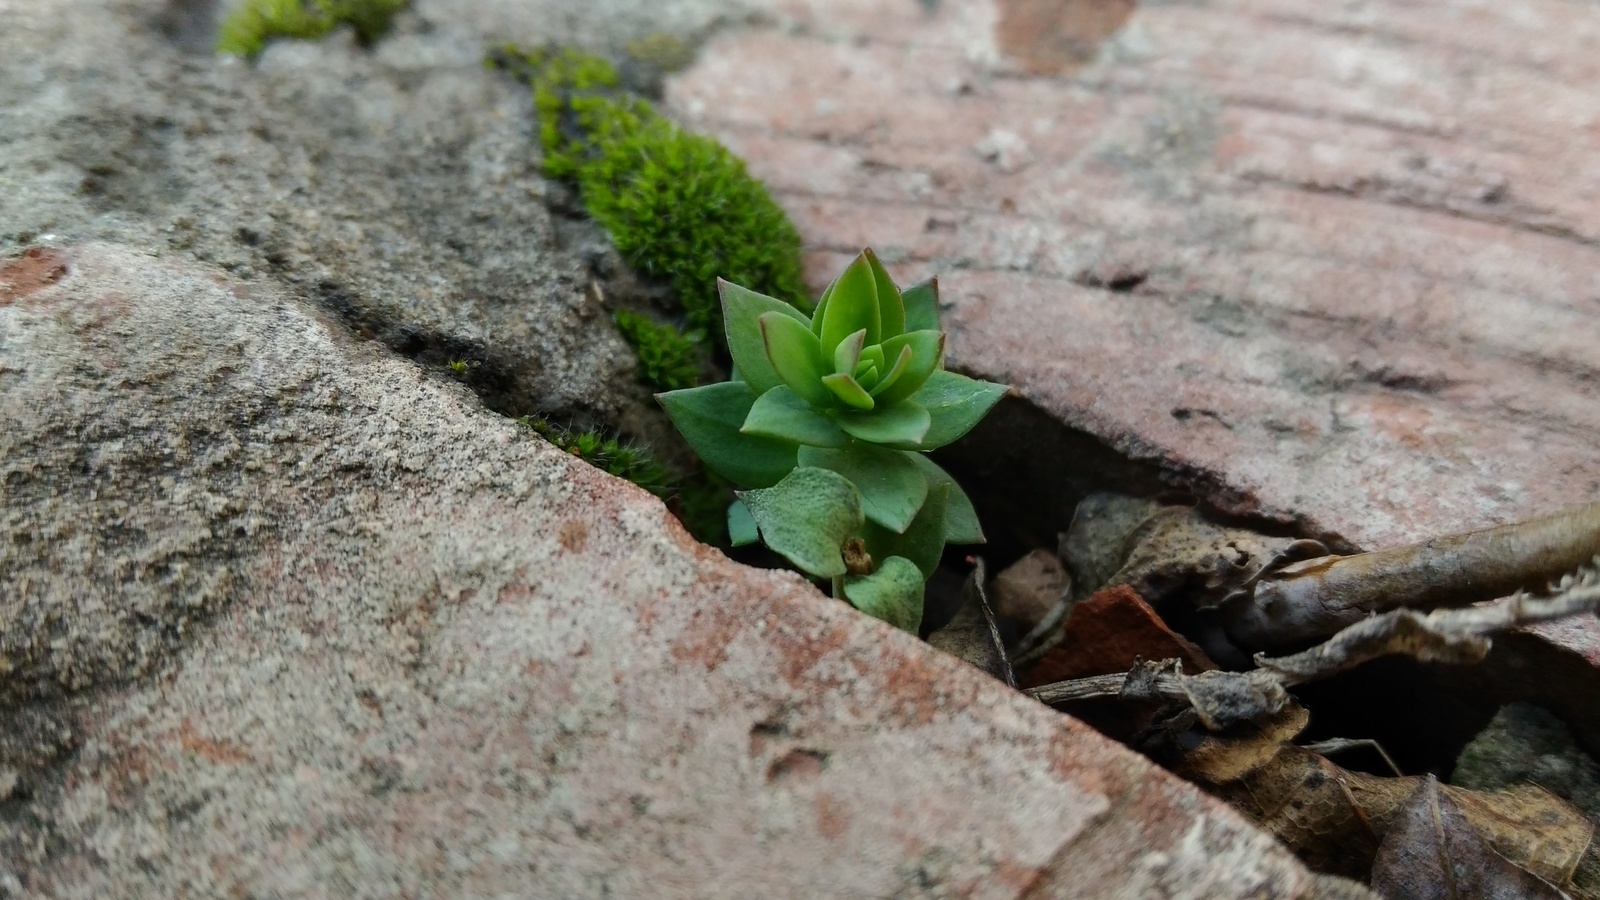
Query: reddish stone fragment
{"points": [[1108, 633], [35, 268]]}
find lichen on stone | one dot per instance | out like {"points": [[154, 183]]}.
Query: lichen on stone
{"points": [[251, 25]]}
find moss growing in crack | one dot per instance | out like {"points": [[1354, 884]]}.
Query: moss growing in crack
{"points": [[251, 25], [606, 454], [699, 502], [668, 358], [678, 206]]}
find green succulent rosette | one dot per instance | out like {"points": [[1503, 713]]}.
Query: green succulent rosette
{"points": [[835, 411]]}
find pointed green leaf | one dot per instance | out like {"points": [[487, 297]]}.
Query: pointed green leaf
{"points": [[780, 413], [710, 417], [923, 541], [852, 306], [741, 310], [927, 353], [741, 525], [922, 305], [891, 310], [848, 354], [848, 390], [901, 426], [867, 377], [795, 356], [899, 369], [822, 305], [956, 403], [892, 594], [872, 356], [892, 486], [960, 519], [807, 517]]}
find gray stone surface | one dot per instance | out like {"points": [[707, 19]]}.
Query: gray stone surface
{"points": [[398, 188], [286, 616]]}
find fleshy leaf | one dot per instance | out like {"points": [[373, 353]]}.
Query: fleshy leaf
{"points": [[893, 593], [899, 369], [891, 310], [956, 403], [741, 310], [847, 355], [923, 541], [892, 486], [960, 519], [848, 390], [709, 418], [741, 525], [806, 517], [927, 352], [873, 356], [780, 413], [852, 306], [902, 425], [922, 305], [794, 354], [822, 305]]}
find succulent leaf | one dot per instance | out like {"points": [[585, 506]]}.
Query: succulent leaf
{"points": [[922, 305], [960, 519], [781, 413], [891, 310], [848, 354], [710, 417], [741, 310], [741, 525], [901, 426], [852, 306], [892, 486], [956, 403], [806, 517], [922, 542], [927, 354], [892, 594], [872, 355], [795, 355], [899, 369], [848, 390]]}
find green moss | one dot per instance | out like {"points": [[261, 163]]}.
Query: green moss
{"points": [[668, 358], [250, 26], [606, 453], [678, 206]]}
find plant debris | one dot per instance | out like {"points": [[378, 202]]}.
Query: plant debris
{"points": [[1110, 639]]}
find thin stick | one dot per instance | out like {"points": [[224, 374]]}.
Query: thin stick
{"points": [[1312, 599]]}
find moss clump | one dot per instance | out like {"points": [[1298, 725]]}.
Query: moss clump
{"points": [[668, 358], [605, 453], [700, 502], [678, 206], [249, 27]]}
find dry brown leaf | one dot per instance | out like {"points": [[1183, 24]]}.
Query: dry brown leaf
{"points": [[1432, 851], [1332, 817], [1028, 590], [972, 634], [1245, 748]]}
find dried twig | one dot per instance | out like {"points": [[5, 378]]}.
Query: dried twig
{"points": [[1315, 598], [1221, 699]]}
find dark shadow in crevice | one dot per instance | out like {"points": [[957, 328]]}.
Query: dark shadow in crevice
{"points": [[1026, 473]]}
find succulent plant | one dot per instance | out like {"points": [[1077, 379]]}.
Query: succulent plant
{"points": [[826, 424]]}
